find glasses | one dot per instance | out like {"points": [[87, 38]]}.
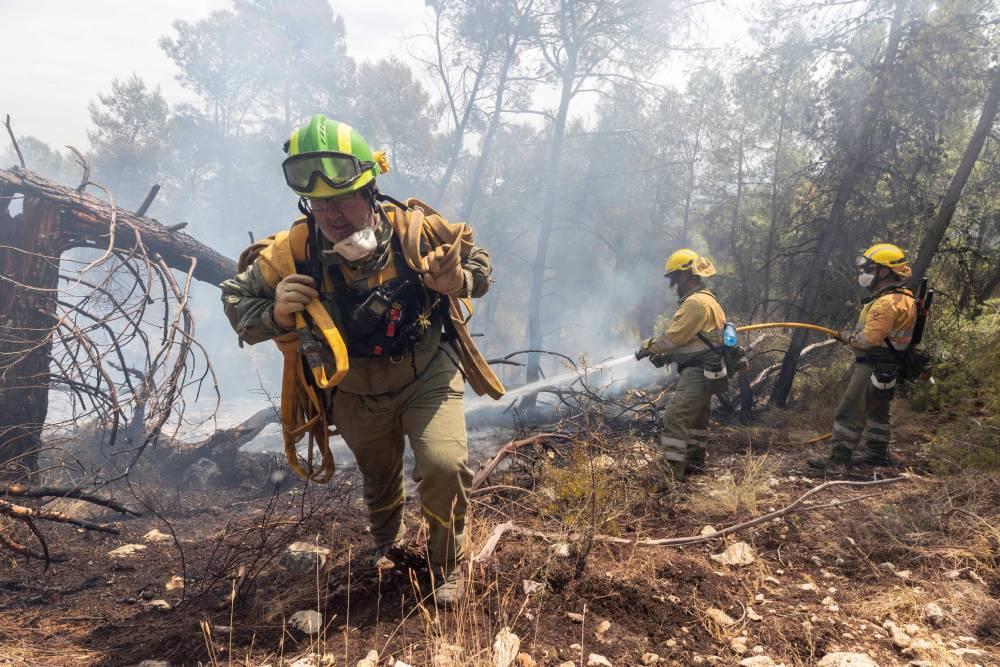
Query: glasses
{"points": [[339, 204], [338, 170]]}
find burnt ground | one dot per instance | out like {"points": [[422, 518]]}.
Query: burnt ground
{"points": [[819, 582]]}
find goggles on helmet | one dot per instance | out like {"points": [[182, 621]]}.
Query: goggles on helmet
{"points": [[865, 264], [338, 170]]}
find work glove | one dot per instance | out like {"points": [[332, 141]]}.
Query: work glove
{"points": [[846, 336], [643, 350], [659, 360], [291, 296], [444, 271]]}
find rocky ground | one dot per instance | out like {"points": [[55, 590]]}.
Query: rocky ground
{"points": [[897, 574]]}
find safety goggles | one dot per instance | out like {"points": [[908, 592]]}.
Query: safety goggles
{"points": [[865, 265], [338, 170]]}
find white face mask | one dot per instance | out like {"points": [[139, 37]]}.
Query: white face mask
{"points": [[866, 279], [357, 246]]}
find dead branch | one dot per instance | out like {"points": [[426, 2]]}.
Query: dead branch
{"points": [[13, 140], [795, 507], [23, 491], [148, 201], [82, 161], [21, 512], [763, 375], [506, 450]]}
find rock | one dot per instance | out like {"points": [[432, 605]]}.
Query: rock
{"points": [[602, 627], [737, 555], [649, 659], [919, 645], [505, 648], [529, 586], [568, 663], [933, 614], [809, 587], [708, 530], [844, 659], [126, 550], [202, 474], [400, 663], [772, 580], [304, 557], [153, 663], [903, 574], [370, 660], [156, 536], [886, 568], [758, 661], [720, 617], [753, 615], [573, 616], [738, 645], [174, 583], [597, 660], [604, 462], [899, 638], [162, 605], [912, 629], [561, 549], [525, 660], [307, 621], [576, 647]]}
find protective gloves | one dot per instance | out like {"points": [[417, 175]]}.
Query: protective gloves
{"points": [[444, 271], [291, 296]]}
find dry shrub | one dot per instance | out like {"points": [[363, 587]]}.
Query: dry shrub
{"points": [[734, 492]]}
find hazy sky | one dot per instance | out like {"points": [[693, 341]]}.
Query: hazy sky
{"points": [[59, 54]]}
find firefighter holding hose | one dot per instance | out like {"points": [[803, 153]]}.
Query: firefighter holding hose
{"points": [[693, 340], [881, 342], [364, 295]]}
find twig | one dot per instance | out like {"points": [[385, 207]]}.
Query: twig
{"points": [[148, 201], [22, 491], [82, 161], [510, 527], [17, 148], [506, 450]]}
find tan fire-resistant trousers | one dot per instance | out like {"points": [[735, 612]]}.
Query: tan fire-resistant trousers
{"points": [[430, 413], [684, 427], [865, 414]]}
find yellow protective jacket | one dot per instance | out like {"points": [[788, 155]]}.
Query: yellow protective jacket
{"points": [[891, 314], [303, 404], [698, 312]]}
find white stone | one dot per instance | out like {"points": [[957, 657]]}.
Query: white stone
{"points": [[308, 621], [561, 549], [597, 660], [602, 627], [126, 550], [753, 615], [934, 614], [156, 535], [737, 555], [758, 661], [529, 586], [370, 660], [708, 530], [899, 637], [162, 605], [649, 659], [720, 617], [304, 557], [506, 646], [573, 616], [903, 574], [809, 587], [738, 646], [844, 659], [174, 583]]}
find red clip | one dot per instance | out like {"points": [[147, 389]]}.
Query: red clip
{"points": [[378, 350], [390, 329]]}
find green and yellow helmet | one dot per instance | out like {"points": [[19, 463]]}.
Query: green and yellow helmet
{"points": [[327, 158]]}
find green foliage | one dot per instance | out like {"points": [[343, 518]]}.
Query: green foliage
{"points": [[966, 390], [582, 488]]}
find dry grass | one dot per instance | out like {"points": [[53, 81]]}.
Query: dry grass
{"points": [[734, 493]]}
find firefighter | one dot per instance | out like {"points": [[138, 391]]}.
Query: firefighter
{"points": [[879, 341], [387, 278], [692, 341]]}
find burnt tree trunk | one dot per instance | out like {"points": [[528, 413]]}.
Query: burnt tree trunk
{"points": [[56, 219], [30, 246]]}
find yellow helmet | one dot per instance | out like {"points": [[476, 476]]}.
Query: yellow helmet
{"points": [[888, 255], [685, 259]]}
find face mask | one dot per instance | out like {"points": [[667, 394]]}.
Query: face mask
{"points": [[866, 279], [357, 246]]}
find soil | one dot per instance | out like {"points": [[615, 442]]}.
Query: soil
{"points": [[816, 585]]}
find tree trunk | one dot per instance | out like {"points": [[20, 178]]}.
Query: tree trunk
{"points": [[28, 244], [56, 219], [460, 130], [535, 335], [772, 231], [855, 163], [943, 218], [472, 193]]}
